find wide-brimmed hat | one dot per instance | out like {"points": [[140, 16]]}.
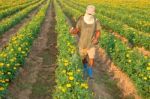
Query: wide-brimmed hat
{"points": [[90, 9]]}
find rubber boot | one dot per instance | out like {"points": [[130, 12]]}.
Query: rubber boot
{"points": [[85, 67], [90, 72]]}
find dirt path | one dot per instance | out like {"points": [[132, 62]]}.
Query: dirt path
{"points": [[4, 39], [103, 85], [36, 79], [117, 83]]}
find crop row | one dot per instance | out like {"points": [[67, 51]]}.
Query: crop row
{"points": [[134, 64], [9, 11], [13, 56], [3, 6], [13, 20], [13, 2], [71, 85]]}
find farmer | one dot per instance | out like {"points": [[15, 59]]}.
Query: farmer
{"points": [[88, 29]]}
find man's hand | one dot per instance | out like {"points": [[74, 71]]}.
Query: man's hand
{"points": [[95, 38], [73, 30], [95, 41]]}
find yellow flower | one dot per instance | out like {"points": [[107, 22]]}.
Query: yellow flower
{"points": [[66, 61], [145, 57], [66, 64], [26, 43], [1, 72], [12, 60], [128, 48], [141, 75], [23, 52], [78, 70], [68, 85], [12, 50], [72, 51], [59, 87], [8, 73], [149, 64], [19, 49], [1, 64], [4, 55], [17, 64], [63, 90], [68, 43], [71, 78], [93, 93], [8, 65], [27, 49], [15, 68], [1, 88], [84, 85], [129, 61], [3, 81], [6, 79], [77, 83], [148, 68], [145, 78], [127, 55], [64, 71], [70, 73]]}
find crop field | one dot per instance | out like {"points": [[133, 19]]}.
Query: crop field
{"points": [[39, 58]]}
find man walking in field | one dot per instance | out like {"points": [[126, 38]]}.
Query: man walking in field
{"points": [[88, 29]]}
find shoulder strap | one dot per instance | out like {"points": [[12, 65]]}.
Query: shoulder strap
{"points": [[79, 17], [95, 25]]}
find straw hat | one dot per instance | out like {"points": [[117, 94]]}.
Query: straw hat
{"points": [[89, 14], [90, 9]]}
